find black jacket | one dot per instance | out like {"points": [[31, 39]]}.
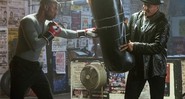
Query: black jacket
{"points": [[150, 43]]}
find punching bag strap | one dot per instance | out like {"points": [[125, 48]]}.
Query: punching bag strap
{"points": [[111, 17], [111, 26]]}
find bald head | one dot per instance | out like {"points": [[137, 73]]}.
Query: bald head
{"points": [[47, 1], [44, 4], [48, 9]]}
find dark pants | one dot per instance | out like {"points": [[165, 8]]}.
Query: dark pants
{"points": [[26, 74], [136, 84]]}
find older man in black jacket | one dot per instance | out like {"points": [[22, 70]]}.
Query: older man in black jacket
{"points": [[148, 33]]}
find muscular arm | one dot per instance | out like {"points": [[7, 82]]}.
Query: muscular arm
{"points": [[69, 34]]}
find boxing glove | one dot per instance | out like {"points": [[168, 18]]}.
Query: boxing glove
{"points": [[91, 32], [54, 28], [53, 31]]}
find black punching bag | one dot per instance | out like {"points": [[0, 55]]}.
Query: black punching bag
{"points": [[109, 17]]}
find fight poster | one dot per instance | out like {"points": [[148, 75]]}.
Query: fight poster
{"points": [[60, 62], [183, 75], [71, 43], [12, 41], [169, 84], [66, 22], [59, 44], [3, 13], [117, 83], [86, 21], [167, 81], [16, 11], [75, 20], [3, 50]]}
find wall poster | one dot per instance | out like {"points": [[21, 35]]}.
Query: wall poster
{"points": [[3, 50], [183, 76], [16, 11], [12, 41], [3, 14], [169, 92], [60, 61], [75, 20]]}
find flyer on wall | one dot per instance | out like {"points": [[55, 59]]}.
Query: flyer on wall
{"points": [[3, 50]]}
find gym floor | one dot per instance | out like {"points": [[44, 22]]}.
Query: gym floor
{"points": [[58, 96]]}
